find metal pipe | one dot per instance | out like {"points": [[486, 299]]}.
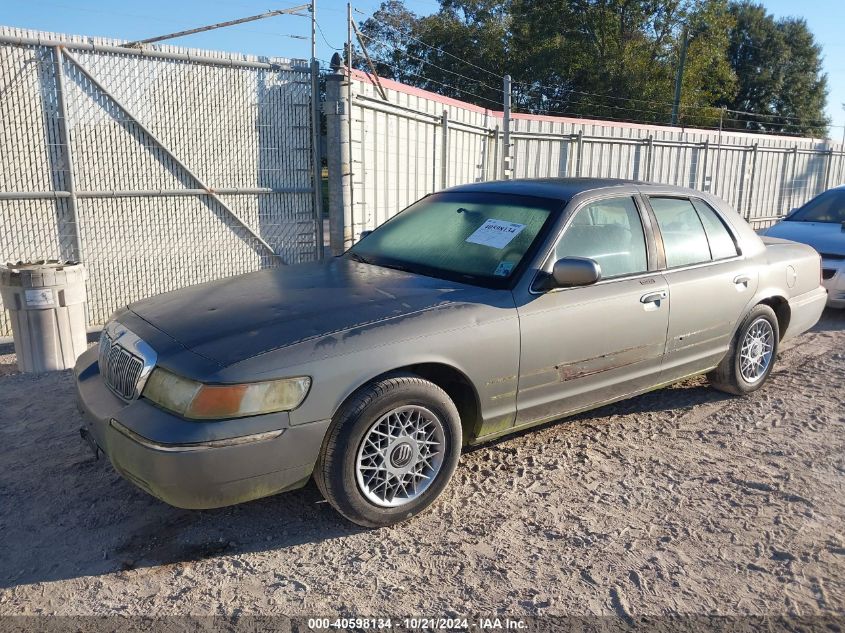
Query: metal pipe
{"points": [[317, 161], [792, 177], [64, 132], [151, 193], [718, 151], [506, 128], [172, 156], [579, 152], [752, 179], [33, 195], [122, 50], [350, 225], [444, 151], [422, 117], [705, 185], [829, 164], [219, 25]]}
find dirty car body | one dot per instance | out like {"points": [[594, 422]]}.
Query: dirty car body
{"points": [[510, 349]]}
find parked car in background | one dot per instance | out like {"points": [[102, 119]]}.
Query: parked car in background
{"points": [[475, 312], [821, 224]]}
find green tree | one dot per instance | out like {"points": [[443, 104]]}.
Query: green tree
{"points": [[779, 74], [385, 36], [614, 59]]}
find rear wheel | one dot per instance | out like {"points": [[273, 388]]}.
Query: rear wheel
{"points": [[752, 354], [390, 451]]}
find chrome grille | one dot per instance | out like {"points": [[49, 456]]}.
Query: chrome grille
{"points": [[120, 369]]}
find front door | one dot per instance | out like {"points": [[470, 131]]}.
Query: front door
{"points": [[587, 345]]}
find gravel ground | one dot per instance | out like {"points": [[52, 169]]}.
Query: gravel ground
{"points": [[684, 501]]}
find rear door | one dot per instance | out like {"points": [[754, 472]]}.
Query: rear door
{"points": [[710, 282], [587, 345]]}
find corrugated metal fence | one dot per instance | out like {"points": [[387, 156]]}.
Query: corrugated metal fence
{"points": [[164, 167], [156, 169], [416, 142]]}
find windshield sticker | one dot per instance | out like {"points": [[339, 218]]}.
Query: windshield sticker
{"points": [[495, 233], [503, 269]]}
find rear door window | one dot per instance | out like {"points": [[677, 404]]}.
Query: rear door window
{"points": [[684, 239], [722, 244]]}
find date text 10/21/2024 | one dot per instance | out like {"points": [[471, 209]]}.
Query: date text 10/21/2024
{"points": [[433, 624]]}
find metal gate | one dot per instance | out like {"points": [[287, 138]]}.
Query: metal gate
{"points": [[156, 168]]}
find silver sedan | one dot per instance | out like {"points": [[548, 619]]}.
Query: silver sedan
{"points": [[475, 312], [821, 224]]}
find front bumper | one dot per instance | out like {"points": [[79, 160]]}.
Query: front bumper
{"points": [[192, 464], [835, 284]]}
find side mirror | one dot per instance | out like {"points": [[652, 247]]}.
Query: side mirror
{"points": [[575, 271], [364, 234]]}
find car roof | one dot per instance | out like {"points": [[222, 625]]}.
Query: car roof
{"points": [[561, 188]]}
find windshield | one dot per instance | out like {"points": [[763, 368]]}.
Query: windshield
{"points": [[474, 237], [826, 207]]}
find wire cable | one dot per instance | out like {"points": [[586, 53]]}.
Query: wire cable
{"points": [[432, 64]]}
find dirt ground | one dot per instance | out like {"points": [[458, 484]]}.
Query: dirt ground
{"points": [[684, 500]]}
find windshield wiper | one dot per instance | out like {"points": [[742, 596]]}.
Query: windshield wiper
{"points": [[364, 260], [404, 269]]}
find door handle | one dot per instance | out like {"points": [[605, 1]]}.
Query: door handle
{"points": [[742, 280], [654, 297]]}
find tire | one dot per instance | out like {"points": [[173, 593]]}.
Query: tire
{"points": [[731, 376], [366, 452]]}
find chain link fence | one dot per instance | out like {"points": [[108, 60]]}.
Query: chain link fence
{"points": [[157, 168]]}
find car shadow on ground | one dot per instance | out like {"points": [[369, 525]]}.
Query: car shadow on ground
{"points": [[71, 516], [831, 321]]}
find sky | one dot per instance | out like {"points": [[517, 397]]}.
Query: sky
{"points": [[289, 35]]}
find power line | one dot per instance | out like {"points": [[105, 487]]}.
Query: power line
{"points": [[440, 83], [425, 61], [440, 50], [531, 85], [323, 35]]}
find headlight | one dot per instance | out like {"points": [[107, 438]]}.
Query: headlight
{"points": [[192, 399]]}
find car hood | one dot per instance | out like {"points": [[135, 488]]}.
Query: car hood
{"points": [[233, 319], [825, 237]]}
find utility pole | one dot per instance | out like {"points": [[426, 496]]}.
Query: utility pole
{"points": [[349, 36], [313, 31], [680, 76]]}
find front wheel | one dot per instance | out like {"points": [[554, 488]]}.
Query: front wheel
{"points": [[390, 451], [752, 354]]}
